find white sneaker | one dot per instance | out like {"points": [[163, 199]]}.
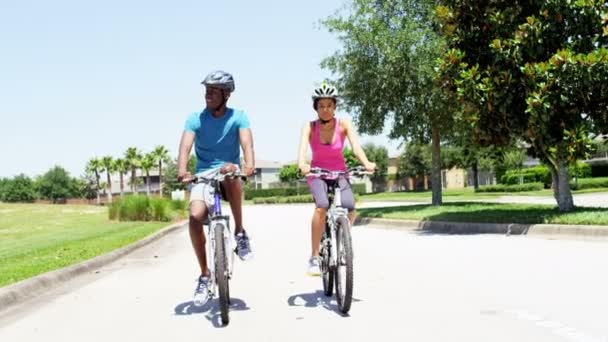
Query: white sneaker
{"points": [[201, 293], [313, 267]]}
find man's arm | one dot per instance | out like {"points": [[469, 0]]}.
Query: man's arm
{"points": [[185, 146], [246, 139]]}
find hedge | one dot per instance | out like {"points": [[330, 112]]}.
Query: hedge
{"points": [[293, 191], [589, 183], [511, 188]]}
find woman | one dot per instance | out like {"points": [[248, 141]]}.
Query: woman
{"points": [[326, 136]]}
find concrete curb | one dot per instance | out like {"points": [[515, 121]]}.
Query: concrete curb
{"points": [[29, 288], [438, 227]]}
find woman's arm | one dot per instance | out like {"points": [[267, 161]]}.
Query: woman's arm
{"points": [[304, 141]]}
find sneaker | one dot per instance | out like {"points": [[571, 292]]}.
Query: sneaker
{"points": [[243, 247], [313, 267], [201, 293]]}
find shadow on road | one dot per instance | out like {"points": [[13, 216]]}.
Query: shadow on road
{"points": [[211, 310], [317, 299]]}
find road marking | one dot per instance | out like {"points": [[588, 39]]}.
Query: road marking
{"points": [[555, 327]]}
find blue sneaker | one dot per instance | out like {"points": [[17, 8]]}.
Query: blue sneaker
{"points": [[201, 293], [243, 247]]}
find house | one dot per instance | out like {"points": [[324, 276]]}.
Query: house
{"points": [[266, 173]]}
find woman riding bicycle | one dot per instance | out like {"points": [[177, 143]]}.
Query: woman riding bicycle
{"points": [[326, 136]]}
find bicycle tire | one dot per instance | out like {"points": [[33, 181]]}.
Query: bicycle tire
{"points": [[344, 281], [221, 272], [327, 274]]}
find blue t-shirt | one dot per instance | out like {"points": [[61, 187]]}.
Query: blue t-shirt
{"points": [[216, 140]]}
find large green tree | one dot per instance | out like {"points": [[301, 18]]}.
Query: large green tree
{"points": [[386, 72], [18, 189], [56, 184], [530, 69]]}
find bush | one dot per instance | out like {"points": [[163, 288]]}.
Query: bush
{"points": [[511, 188], [589, 183], [530, 175], [142, 208], [293, 191]]}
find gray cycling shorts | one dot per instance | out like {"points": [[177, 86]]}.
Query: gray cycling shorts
{"points": [[318, 189]]}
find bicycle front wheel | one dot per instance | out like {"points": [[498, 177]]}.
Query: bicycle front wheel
{"points": [[344, 269], [327, 274], [221, 271]]}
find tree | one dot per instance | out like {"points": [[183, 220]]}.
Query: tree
{"points": [[56, 185], [533, 70], [386, 68], [161, 154], [415, 161], [108, 166], [349, 158], [514, 159], [18, 189], [94, 167], [121, 166], [378, 155], [146, 164], [133, 157], [289, 173]]}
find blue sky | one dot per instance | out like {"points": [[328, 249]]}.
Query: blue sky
{"points": [[82, 79]]}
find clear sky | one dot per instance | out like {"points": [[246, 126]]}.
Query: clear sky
{"points": [[82, 79]]}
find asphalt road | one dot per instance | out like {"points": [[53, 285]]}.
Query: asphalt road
{"points": [[408, 286]]}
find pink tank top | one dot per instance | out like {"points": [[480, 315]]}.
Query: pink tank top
{"points": [[327, 156]]}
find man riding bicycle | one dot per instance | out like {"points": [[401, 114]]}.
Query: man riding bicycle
{"points": [[217, 132], [326, 136]]}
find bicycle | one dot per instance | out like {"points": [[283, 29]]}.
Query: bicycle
{"points": [[220, 241], [336, 249]]}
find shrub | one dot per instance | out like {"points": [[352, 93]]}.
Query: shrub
{"points": [[511, 188], [589, 183]]}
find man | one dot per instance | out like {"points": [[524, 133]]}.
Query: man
{"points": [[216, 132]]}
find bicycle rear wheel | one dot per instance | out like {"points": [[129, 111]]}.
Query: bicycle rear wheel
{"points": [[327, 274], [221, 271], [344, 269]]}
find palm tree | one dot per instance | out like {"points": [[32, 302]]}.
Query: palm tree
{"points": [[160, 155], [121, 166], [108, 164], [94, 166], [133, 157], [146, 164]]}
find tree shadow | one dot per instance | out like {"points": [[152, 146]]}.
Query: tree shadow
{"points": [[317, 299], [211, 310]]}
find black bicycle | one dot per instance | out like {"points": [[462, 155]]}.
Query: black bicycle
{"points": [[220, 241], [336, 250]]}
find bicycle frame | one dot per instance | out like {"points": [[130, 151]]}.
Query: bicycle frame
{"points": [[215, 218]]}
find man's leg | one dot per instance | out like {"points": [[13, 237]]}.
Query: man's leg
{"points": [[198, 212], [233, 194]]}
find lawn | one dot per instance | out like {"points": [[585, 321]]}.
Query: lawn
{"points": [[460, 195], [36, 238], [490, 213]]}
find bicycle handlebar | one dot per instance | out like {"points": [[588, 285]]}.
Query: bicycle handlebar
{"points": [[357, 171]]}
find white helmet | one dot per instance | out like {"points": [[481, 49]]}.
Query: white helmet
{"points": [[325, 92]]}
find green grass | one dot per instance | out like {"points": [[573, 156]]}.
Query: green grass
{"points": [[38, 238], [490, 213], [461, 194]]}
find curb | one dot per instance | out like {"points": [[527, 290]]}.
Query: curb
{"points": [[31, 287], [439, 227]]}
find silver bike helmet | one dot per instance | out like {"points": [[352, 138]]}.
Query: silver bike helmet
{"points": [[219, 79]]}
